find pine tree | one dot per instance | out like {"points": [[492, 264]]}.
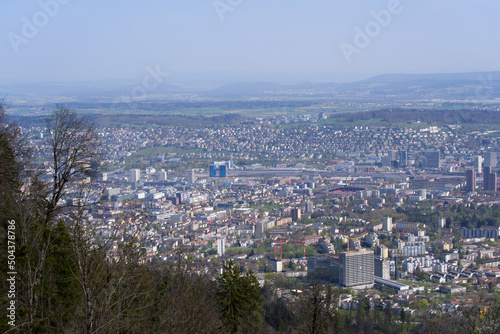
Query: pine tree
{"points": [[240, 300]]}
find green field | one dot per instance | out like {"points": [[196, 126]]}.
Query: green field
{"points": [[414, 283], [336, 121], [164, 149]]}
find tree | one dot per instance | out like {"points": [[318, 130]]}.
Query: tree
{"points": [[186, 302], [112, 287], [115, 285], [422, 304], [73, 142], [318, 313], [403, 318], [474, 320], [23, 201], [10, 204], [46, 268], [10, 164], [278, 315], [388, 318], [240, 300]]}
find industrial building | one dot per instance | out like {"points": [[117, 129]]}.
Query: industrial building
{"points": [[398, 288]]}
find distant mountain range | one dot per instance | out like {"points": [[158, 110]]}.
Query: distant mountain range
{"points": [[461, 86], [444, 86], [469, 76]]}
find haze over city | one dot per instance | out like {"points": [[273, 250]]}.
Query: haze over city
{"points": [[256, 40]]}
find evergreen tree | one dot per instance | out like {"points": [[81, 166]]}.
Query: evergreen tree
{"points": [[240, 300]]}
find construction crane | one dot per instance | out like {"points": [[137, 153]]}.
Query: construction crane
{"points": [[281, 248]]}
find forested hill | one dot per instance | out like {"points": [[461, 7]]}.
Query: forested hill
{"points": [[412, 115]]}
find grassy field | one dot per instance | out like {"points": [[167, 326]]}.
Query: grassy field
{"points": [[200, 111], [414, 283], [360, 122], [164, 149]]}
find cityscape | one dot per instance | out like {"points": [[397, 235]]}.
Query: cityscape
{"points": [[408, 210], [238, 167]]}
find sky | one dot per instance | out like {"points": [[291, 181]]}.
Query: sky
{"points": [[82, 40]]}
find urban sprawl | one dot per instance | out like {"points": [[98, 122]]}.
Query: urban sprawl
{"points": [[411, 211]]}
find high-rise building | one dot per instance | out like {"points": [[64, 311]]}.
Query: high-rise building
{"points": [[396, 271], [220, 167], [309, 206], [492, 181], [324, 267], [403, 159], [191, 176], [354, 244], [296, 214], [229, 164], [212, 170], [356, 269], [432, 159], [422, 193], [162, 175], [277, 265], [441, 222], [383, 251], [386, 161], [470, 180], [222, 171], [489, 179], [387, 224], [381, 267], [135, 175], [490, 159], [390, 159], [478, 163], [221, 247], [486, 172], [392, 154]]}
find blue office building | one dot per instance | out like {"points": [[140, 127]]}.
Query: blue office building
{"points": [[222, 171], [213, 171]]}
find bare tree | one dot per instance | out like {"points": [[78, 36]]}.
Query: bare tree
{"points": [[115, 283], [317, 311], [186, 301], [73, 145], [34, 204]]}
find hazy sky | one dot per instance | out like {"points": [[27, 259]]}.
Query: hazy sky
{"points": [[107, 39]]}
